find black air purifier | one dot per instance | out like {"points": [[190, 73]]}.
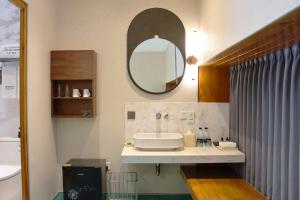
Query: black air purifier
{"points": [[84, 179]]}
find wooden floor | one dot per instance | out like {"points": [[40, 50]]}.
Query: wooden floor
{"points": [[217, 183]]}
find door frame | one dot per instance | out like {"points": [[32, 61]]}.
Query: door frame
{"points": [[23, 96]]}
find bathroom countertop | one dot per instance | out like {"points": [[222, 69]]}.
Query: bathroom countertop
{"points": [[186, 155]]}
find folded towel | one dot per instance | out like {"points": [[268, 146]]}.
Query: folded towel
{"points": [[227, 144]]}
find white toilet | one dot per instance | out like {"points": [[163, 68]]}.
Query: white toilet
{"points": [[10, 169]]}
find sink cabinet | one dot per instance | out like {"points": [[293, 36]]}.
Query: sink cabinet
{"points": [[76, 69]]}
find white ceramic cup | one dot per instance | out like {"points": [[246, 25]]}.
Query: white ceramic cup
{"points": [[76, 93], [86, 93]]}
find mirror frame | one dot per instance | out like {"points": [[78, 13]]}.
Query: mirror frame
{"points": [[149, 23]]}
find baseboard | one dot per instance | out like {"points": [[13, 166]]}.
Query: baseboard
{"points": [[59, 196]]}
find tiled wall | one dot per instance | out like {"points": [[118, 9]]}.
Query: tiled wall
{"points": [[215, 116]]}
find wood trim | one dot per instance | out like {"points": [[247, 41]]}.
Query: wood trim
{"points": [[280, 34], [173, 83], [23, 96], [213, 84]]}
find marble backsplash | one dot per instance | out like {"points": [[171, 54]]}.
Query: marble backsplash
{"points": [[215, 116]]}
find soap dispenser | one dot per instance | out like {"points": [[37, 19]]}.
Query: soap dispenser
{"points": [[189, 139]]}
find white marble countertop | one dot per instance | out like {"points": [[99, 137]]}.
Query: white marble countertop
{"points": [[186, 155]]}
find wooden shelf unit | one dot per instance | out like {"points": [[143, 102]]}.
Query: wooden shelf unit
{"points": [[72, 98], [77, 69]]}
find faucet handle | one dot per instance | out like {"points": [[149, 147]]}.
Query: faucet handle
{"points": [[158, 115], [167, 116]]}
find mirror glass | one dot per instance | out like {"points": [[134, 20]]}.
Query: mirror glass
{"points": [[156, 66]]}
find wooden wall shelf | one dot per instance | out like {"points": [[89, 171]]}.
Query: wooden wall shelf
{"points": [[213, 84], [77, 70], [72, 98]]}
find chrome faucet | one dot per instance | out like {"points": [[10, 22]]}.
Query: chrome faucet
{"points": [[158, 125], [166, 116], [158, 115]]}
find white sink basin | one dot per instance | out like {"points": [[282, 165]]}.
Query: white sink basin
{"points": [[161, 141]]}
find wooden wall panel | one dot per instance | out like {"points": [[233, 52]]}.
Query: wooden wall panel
{"points": [[213, 84], [73, 65]]}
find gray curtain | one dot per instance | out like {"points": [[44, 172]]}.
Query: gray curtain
{"points": [[265, 121]]}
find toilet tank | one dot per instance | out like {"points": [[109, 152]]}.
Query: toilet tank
{"points": [[10, 151]]}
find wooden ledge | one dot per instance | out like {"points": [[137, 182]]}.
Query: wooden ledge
{"points": [[209, 182], [222, 189]]}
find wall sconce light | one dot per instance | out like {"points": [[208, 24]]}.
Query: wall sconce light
{"points": [[192, 60], [193, 51], [196, 47], [193, 47]]}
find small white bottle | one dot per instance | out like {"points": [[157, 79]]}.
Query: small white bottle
{"points": [[58, 90], [67, 91], [199, 137], [205, 133]]}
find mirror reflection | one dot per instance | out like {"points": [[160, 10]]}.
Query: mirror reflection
{"points": [[156, 66]]}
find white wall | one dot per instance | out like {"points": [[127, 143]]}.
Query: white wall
{"points": [[43, 166], [170, 63], [227, 22], [147, 70], [102, 25], [180, 63]]}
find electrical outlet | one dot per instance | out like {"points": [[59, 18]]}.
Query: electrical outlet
{"points": [[184, 115], [189, 116], [131, 115]]}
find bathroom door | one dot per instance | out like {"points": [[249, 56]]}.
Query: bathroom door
{"points": [[10, 112], [9, 70]]}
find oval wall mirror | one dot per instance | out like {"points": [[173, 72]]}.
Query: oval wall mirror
{"points": [[156, 51], [156, 66]]}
